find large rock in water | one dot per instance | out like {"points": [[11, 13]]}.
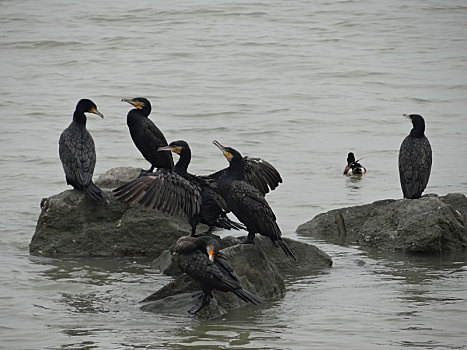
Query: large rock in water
{"points": [[259, 268], [431, 224], [71, 224]]}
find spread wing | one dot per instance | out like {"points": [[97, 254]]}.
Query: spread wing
{"points": [[258, 173], [163, 190]]}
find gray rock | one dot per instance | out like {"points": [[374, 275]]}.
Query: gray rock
{"points": [[431, 224], [70, 224], [308, 256], [254, 270], [116, 177], [259, 268]]}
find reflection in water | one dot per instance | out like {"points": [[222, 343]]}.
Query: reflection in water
{"points": [[354, 183]]}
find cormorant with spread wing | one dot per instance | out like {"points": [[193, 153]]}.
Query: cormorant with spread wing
{"points": [[199, 257], [247, 202], [146, 135], [171, 191], [78, 153], [415, 159]]}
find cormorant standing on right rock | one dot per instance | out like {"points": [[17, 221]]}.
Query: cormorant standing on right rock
{"points": [[247, 202], [353, 166], [415, 159], [77, 151], [199, 257], [146, 135]]}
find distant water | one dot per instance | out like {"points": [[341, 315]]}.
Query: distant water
{"points": [[299, 83]]}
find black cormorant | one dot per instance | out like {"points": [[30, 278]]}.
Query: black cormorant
{"points": [[199, 257], [77, 151], [246, 202], [146, 135], [196, 196], [257, 172], [415, 159], [353, 166]]}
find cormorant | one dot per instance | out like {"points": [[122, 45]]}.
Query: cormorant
{"points": [[246, 202], [257, 172], [415, 159], [146, 135], [77, 151], [195, 195], [353, 166], [199, 257]]}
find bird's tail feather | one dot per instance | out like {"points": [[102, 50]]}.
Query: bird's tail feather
{"points": [[248, 296], [228, 224], [95, 192], [286, 249]]}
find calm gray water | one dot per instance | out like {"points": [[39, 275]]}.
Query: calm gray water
{"points": [[299, 83]]}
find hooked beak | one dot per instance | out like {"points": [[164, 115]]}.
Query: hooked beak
{"points": [[95, 111], [165, 148], [407, 116], [224, 150], [133, 102]]}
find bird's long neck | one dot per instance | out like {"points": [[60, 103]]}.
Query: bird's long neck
{"points": [[137, 114], [80, 118], [418, 130], [237, 169], [182, 165]]}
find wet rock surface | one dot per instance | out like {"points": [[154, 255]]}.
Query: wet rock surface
{"points": [[259, 268], [72, 225], [431, 224]]}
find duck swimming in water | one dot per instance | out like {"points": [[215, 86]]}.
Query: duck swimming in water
{"points": [[353, 166]]}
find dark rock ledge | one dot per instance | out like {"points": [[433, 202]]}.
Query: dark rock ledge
{"points": [[431, 224]]}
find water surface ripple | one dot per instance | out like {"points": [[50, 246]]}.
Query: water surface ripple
{"points": [[300, 83]]}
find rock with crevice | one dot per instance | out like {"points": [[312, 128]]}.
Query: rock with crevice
{"points": [[431, 224]]}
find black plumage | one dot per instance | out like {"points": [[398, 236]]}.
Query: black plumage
{"points": [[257, 172], [353, 166], [246, 202], [415, 159], [195, 196], [77, 151], [199, 257], [146, 135]]}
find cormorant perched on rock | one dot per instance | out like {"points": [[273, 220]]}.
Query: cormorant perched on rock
{"points": [[77, 151], [257, 172], [146, 135], [246, 202], [199, 257], [415, 159], [353, 166], [195, 196]]}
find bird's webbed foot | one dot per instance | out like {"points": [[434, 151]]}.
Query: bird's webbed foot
{"points": [[204, 300]]}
